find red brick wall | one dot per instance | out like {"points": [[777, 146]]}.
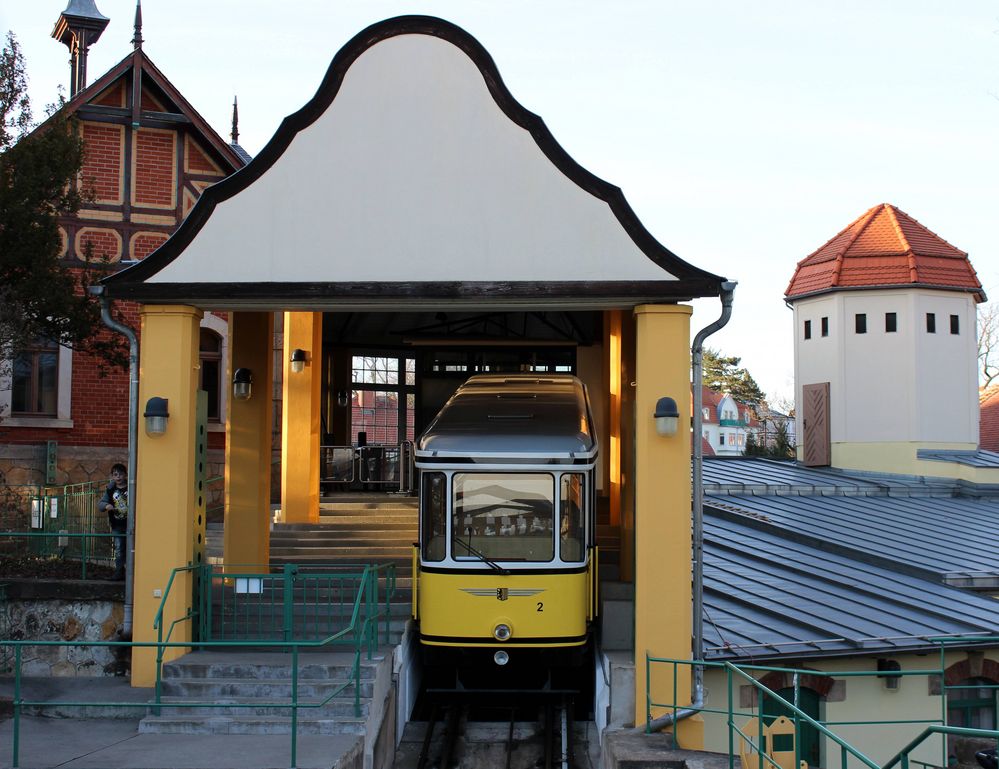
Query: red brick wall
{"points": [[145, 243], [154, 168], [196, 160], [102, 160]]}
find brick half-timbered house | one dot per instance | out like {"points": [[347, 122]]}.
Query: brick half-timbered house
{"points": [[149, 156]]}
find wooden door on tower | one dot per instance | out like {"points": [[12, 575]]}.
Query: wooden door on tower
{"points": [[816, 440]]}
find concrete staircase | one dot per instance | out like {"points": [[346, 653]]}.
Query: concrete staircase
{"points": [[202, 689]]}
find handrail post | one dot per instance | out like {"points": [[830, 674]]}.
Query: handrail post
{"points": [[289, 572], [83, 554], [731, 720], [676, 743], [648, 697], [797, 720], [370, 609], [17, 704], [294, 705]]}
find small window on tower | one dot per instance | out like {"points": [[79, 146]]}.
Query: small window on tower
{"points": [[931, 323], [808, 329], [860, 323], [825, 327], [891, 322], [955, 324]]}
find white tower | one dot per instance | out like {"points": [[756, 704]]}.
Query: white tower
{"points": [[885, 354]]}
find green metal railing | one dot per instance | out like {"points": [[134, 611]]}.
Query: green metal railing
{"points": [[83, 550], [935, 726], [359, 631]]}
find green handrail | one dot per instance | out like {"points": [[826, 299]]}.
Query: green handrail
{"points": [[800, 717], [365, 636], [84, 536]]}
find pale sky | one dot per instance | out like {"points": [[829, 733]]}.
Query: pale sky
{"points": [[744, 135]]}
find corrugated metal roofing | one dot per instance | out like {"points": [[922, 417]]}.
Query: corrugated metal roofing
{"points": [[978, 458], [806, 562], [767, 595]]}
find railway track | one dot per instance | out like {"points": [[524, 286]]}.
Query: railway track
{"points": [[456, 737]]}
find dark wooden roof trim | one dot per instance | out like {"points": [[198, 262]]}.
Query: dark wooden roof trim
{"points": [[79, 104], [392, 294], [330, 87]]}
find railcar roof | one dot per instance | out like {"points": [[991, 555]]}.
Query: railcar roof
{"points": [[511, 415]]}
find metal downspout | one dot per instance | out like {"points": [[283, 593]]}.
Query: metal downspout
{"points": [[697, 513], [133, 421]]}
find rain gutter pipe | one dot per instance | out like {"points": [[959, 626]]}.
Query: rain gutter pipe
{"points": [[697, 512], [133, 421]]}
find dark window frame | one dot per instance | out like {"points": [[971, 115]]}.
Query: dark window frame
{"points": [[209, 360], [891, 322], [955, 324], [860, 323], [931, 323], [824, 326], [34, 353], [808, 329]]}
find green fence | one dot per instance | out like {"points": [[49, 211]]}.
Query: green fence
{"points": [[747, 675], [360, 614]]}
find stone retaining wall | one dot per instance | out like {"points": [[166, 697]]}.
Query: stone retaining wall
{"points": [[69, 610]]}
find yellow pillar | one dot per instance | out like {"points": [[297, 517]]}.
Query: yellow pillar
{"points": [[300, 419], [165, 480], [662, 510], [612, 344], [246, 538]]}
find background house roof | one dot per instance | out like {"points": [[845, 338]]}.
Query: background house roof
{"points": [[885, 247]]}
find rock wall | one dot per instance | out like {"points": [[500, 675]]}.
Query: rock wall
{"points": [[57, 611]]}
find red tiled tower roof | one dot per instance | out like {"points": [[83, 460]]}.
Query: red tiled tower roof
{"points": [[885, 247]]}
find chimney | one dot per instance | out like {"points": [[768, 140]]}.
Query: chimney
{"points": [[78, 28]]}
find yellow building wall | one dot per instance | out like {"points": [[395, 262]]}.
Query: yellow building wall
{"points": [[300, 420], [165, 480], [853, 699], [246, 537], [662, 506]]}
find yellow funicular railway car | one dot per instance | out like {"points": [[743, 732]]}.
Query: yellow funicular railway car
{"points": [[506, 563]]}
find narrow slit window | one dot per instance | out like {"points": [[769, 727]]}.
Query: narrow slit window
{"points": [[808, 329], [860, 323], [931, 323], [955, 324], [825, 327], [891, 322]]}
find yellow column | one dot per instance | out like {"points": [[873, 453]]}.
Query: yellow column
{"points": [[248, 443], [662, 510], [612, 344], [300, 419], [165, 480]]}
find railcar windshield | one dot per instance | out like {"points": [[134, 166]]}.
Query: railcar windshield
{"points": [[503, 516]]}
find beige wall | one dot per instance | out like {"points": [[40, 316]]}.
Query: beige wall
{"points": [[853, 699]]}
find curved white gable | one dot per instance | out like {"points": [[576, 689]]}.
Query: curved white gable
{"points": [[413, 173]]}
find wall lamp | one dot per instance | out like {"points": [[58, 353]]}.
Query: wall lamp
{"points": [[298, 360], [667, 417], [156, 416], [242, 384]]}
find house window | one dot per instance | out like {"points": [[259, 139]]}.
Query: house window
{"points": [[972, 704], [955, 324], [860, 323], [808, 329], [35, 381], [825, 327], [706, 414], [210, 353], [931, 323], [891, 322], [721, 440]]}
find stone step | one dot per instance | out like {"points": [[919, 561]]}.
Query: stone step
{"points": [[178, 724], [262, 706], [324, 665], [402, 531], [277, 689]]}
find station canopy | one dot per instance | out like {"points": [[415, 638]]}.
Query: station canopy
{"points": [[412, 180]]}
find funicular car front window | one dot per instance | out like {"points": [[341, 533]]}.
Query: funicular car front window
{"points": [[503, 516]]}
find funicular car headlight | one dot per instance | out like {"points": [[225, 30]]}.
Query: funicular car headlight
{"points": [[502, 632]]}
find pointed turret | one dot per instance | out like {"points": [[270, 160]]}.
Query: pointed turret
{"points": [[137, 37], [234, 136], [78, 28]]}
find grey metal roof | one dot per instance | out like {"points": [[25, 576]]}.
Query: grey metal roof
{"points": [[768, 596], [979, 458], [806, 562], [510, 415], [922, 527]]}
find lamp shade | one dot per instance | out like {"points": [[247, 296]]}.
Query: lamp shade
{"points": [[298, 359], [667, 416], [156, 415], [242, 384]]}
